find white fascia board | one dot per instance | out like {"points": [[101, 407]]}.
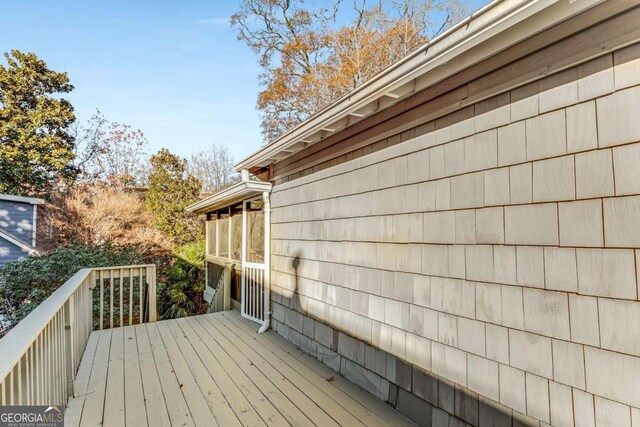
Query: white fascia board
{"points": [[21, 199], [435, 57], [236, 193]]}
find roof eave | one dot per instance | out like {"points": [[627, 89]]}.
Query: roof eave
{"points": [[229, 196], [21, 199], [483, 25]]}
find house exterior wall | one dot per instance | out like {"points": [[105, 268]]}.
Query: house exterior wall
{"points": [[485, 271], [16, 219], [10, 252]]}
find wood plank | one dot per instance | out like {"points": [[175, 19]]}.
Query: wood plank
{"points": [[114, 397], [219, 405], [212, 393], [177, 407], [309, 398], [200, 411], [344, 409], [156, 407], [378, 409], [81, 382], [243, 409], [135, 413], [297, 408], [261, 402], [212, 370], [93, 409], [287, 351], [73, 412]]}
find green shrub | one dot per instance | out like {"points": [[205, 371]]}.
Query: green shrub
{"points": [[181, 283], [26, 283]]}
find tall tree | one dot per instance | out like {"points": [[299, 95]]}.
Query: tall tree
{"points": [[36, 143], [171, 190], [89, 142], [310, 58], [214, 167], [115, 154]]}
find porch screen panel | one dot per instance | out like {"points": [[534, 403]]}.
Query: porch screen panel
{"points": [[211, 237], [255, 232], [223, 236], [236, 229]]}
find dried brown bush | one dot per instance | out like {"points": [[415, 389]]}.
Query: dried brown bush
{"points": [[94, 215]]}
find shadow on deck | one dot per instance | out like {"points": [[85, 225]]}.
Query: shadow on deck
{"points": [[213, 370]]}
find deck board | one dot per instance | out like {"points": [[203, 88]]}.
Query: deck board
{"points": [[213, 370], [135, 411], [283, 396], [155, 406], [114, 397], [361, 403], [74, 411], [179, 413], [308, 398], [216, 400], [94, 397], [268, 412], [245, 412]]}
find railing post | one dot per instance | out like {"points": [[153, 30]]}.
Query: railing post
{"points": [[69, 342], [151, 296]]}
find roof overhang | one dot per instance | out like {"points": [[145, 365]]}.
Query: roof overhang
{"points": [[20, 199], [229, 196], [473, 40]]}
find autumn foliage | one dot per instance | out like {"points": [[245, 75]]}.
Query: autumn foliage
{"points": [[95, 215], [312, 57]]}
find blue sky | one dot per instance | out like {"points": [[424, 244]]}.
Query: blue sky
{"points": [[173, 69]]}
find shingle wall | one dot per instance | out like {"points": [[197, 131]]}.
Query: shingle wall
{"points": [[484, 271]]}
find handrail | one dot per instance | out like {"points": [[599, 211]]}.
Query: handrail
{"points": [[19, 339], [234, 264], [117, 267], [40, 356]]}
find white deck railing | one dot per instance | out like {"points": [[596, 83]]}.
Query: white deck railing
{"points": [[252, 301], [40, 356]]}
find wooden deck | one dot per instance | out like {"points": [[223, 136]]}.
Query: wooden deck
{"points": [[213, 370]]}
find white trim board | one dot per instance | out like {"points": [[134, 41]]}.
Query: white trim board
{"points": [[21, 199], [227, 197]]}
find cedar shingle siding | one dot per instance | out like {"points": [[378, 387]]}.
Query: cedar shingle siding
{"points": [[484, 270]]}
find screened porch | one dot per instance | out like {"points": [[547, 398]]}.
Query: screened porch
{"points": [[237, 249]]}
